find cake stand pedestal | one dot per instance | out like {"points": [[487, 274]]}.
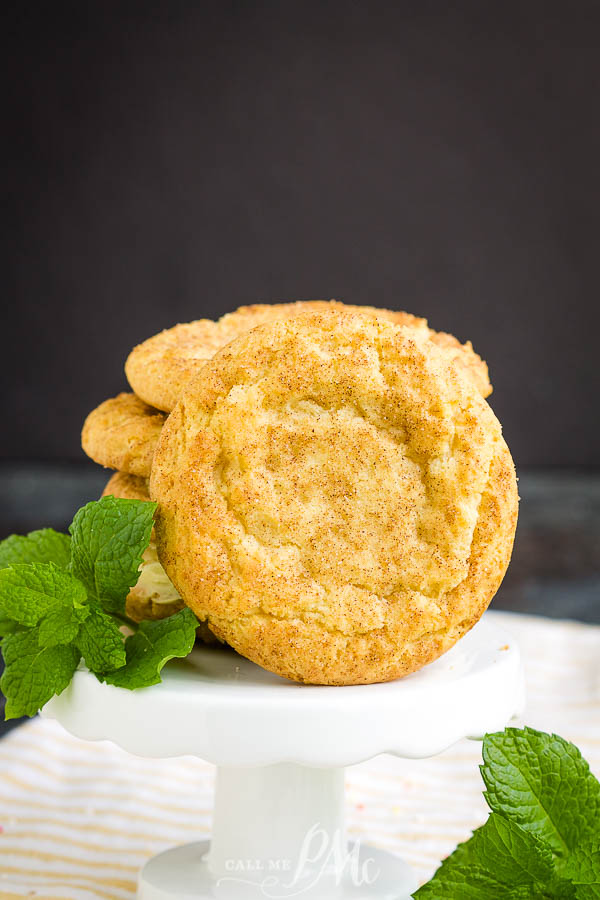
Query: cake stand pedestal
{"points": [[281, 749]]}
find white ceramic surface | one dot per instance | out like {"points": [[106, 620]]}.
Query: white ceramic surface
{"points": [[228, 711], [183, 874], [278, 832], [278, 825]]}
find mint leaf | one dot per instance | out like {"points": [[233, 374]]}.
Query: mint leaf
{"points": [[34, 674], [542, 782], [503, 856], [108, 538], [542, 838], [463, 882], [61, 626], [29, 592], [41, 546], [519, 857], [101, 642], [470, 882], [583, 868], [153, 644], [8, 626]]}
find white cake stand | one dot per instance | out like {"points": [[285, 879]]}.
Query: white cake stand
{"points": [[281, 748]]}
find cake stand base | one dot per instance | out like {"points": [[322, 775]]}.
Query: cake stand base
{"points": [[280, 749], [278, 832], [370, 873]]}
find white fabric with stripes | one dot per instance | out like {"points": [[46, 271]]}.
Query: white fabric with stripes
{"points": [[78, 819]]}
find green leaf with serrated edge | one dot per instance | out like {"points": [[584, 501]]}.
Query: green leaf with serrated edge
{"points": [[30, 592], [463, 882], [583, 868], [61, 626], [504, 854], [469, 882], [542, 782], [519, 857], [34, 674], [43, 546], [101, 642], [108, 538], [153, 644]]}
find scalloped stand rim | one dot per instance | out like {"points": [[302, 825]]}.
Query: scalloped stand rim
{"points": [[281, 748]]}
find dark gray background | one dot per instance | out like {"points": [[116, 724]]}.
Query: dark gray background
{"points": [[171, 161]]}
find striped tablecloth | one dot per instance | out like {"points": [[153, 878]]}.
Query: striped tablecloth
{"points": [[79, 819]]}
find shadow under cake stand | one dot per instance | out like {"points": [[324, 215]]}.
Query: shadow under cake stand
{"points": [[281, 749]]}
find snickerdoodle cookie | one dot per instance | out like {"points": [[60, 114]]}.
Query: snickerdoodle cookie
{"points": [[126, 487], [335, 497], [122, 433], [159, 369]]}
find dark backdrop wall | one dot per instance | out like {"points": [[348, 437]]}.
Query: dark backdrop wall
{"points": [[170, 161]]}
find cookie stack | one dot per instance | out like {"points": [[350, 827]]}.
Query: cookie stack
{"points": [[335, 498]]}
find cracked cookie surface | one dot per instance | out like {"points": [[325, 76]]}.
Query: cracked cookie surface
{"points": [[159, 369], [335, 497]]}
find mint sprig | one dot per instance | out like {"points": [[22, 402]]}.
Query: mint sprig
{"points": [[543, 783], [63, 598], [153, 645], [108, 538], [542, 838]]}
